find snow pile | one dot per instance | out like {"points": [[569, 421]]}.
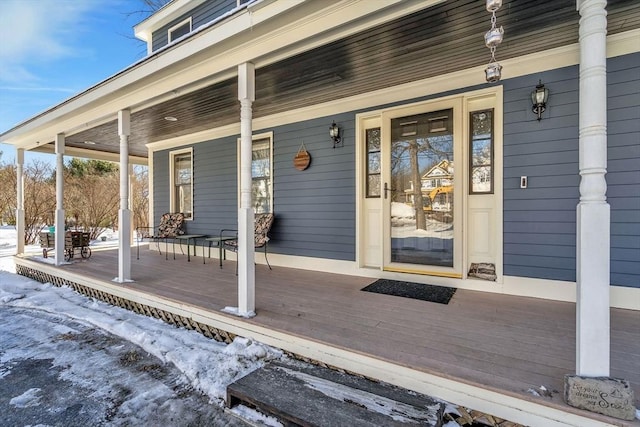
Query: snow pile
{"points": [[401, 210], [208, 365]]}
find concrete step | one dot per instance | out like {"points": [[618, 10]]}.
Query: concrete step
{"points": [[299, 394]]}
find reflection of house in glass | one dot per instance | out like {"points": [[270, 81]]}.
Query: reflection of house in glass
{"points": [[437, 188]]}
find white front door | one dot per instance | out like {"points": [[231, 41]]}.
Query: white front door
{"points": [[422, 188], [429, 193]]}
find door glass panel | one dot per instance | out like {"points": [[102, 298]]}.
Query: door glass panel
{"points": [[422, 189], [373, 162], [481, 152]]}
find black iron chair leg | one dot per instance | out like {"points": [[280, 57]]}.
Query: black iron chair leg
{"points": [[265, 256]]}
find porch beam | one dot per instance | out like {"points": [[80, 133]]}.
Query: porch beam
{"points": [[124, 213], [20, 200], [59, 221], [593, 213], [246, 248]]}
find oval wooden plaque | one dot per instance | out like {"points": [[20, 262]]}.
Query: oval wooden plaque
{"points": [[301, 160]]}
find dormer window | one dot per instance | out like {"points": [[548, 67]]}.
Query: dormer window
{"points": [[180, 29]]}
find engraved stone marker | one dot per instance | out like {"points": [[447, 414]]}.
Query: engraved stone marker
{"points": [[608, 396]]}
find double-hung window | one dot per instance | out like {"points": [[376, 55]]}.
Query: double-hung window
{"points": [[261, 173], [261, 176], [182, 182]]}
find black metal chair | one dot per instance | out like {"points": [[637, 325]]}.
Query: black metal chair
{"points": [[262, 226], [171, 225]]}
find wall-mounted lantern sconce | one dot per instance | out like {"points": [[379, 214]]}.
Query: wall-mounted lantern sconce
{"points": [[334, 133], [539, 98]]}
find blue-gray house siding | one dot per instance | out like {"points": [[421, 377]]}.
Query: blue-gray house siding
{"points": [[315, 208], [540, 221], [623, 168]]}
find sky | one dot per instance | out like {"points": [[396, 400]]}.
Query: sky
{"points": [[54, 49]]}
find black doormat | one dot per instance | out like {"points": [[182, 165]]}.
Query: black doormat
{"points": [[432, 293]]}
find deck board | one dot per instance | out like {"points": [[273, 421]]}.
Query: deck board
{"points": [[504, 343]]}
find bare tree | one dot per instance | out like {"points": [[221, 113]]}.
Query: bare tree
{"points": [[416, 178], [140, 196], [91, 196], [39, 197], [7, 191]]}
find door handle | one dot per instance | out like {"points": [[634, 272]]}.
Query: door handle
{"points": [[387, 188]]}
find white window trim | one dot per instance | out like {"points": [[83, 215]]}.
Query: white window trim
{"points": [[178, 25], [172, 174], [256, 137]]}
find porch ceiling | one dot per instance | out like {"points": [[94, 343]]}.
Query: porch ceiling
{"points": [[436, 41]]}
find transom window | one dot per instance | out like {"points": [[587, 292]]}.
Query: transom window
{"points": [[182, 182], [180, 29]]}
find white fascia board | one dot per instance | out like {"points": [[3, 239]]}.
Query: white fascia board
{"points": [[162, 17], [204, 56]]}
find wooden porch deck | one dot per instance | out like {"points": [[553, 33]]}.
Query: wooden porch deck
{"points": [[478, 350]]}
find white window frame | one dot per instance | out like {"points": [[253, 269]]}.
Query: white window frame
{"points": [[257, 137], [178, 25], [172, 183]]}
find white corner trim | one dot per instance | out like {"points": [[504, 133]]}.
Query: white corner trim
{"points": [[151, 201]]}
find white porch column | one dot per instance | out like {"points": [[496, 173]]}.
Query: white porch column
{"points": [[124, 214], [246, 249], [20, 200], [593, 216], [59, 222]]}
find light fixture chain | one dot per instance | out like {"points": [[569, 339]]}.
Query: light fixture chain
{"points": [[493, 38]]}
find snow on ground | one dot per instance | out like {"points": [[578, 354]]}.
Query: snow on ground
{"points": [[209, 366], [403, 224]]}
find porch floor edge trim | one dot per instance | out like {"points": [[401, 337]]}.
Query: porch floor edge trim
{"points": [[225, 328]]}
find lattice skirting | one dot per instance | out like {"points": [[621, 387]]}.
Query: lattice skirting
{"points": [[147, 310]]}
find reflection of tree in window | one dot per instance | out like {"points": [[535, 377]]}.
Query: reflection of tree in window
{"points": [[419, 143], [481, 151], [261, 176], [373, 162], [182, 182]]}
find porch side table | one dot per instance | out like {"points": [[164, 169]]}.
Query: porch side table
{"points": [[219, 240], [188, 238]]}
